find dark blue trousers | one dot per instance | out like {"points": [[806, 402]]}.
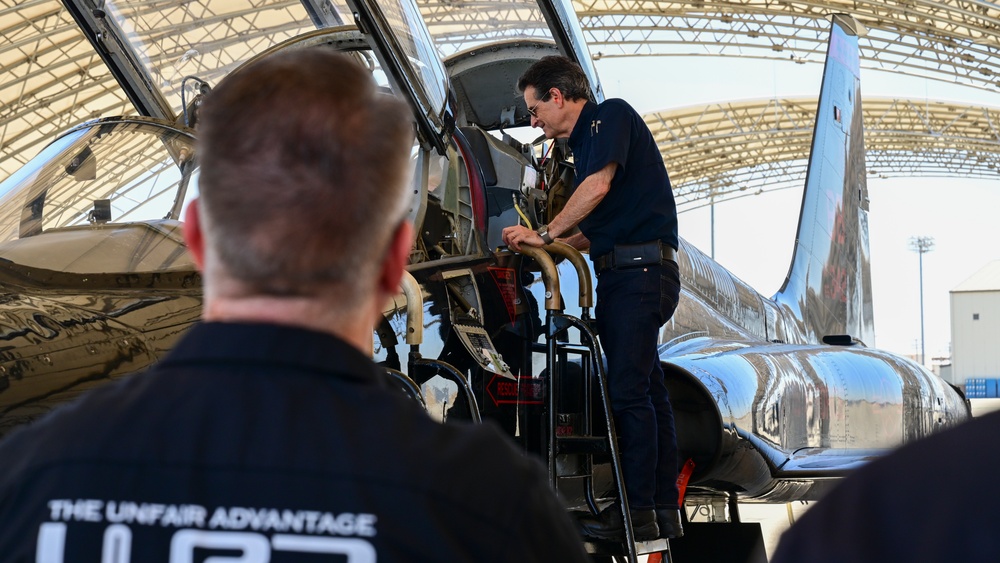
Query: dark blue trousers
{"points": [[632, 305]]}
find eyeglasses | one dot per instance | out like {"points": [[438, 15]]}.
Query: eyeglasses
{"points": [[531, 110]]}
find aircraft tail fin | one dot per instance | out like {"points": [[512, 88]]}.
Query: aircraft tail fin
{"points": [[828, 285]]}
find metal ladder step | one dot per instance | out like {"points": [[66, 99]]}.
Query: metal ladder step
{"points": [[612, 549], [582, 445]]}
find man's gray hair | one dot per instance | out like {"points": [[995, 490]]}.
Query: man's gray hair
{"points": [[558, 72]]}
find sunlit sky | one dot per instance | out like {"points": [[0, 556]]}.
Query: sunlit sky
{"points": [[754, 235]]}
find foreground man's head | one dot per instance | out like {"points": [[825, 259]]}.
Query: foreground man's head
{"points": [[304, 168]]}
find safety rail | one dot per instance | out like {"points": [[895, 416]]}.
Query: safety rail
{"points": [[429, 367], [414, 309], [579, 262], [407, 385], [550, 276]]}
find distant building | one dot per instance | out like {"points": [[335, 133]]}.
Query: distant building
{"points": [[975, 326], [941, 367]]}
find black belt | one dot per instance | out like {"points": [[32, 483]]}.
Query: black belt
{"points": [[607, 261]]}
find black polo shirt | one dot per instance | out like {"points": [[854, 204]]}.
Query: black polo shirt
{"points": [[275, 443], [639, 207]]}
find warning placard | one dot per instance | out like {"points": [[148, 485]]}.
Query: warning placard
{"points": [[504, 278], [520, 391]]}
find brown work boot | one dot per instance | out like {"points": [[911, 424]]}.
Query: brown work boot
{"points": [[609, 524]]}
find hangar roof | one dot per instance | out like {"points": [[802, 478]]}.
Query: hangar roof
{"points": [[51, 77], [951, 40], [986, 279], [734, 149]]}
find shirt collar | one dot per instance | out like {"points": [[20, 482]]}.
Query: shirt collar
{"points": [[259, 343]]}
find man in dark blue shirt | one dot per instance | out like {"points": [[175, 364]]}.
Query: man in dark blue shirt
{"points": [[624, 207], [268, 434]]}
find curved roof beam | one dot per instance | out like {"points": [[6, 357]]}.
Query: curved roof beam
{"points": [[729, 150], [52, 78], [954, 41]]}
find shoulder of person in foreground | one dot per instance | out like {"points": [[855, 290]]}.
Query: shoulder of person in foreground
{"points": [[905, 506], [67, 430], [505, 486], [33, 455]]}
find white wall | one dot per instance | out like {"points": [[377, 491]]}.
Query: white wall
{"points": [[975, 344]]}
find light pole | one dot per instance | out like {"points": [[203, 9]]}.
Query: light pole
{"points": [[711, 207], [921, 245]]}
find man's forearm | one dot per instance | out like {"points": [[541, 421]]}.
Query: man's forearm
{"points": [[577, 241], [588, 194]]}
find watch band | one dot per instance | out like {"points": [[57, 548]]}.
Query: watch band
{"points": [[543, 232]]}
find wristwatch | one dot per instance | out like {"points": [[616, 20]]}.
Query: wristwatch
{"points": [[543, 232]]}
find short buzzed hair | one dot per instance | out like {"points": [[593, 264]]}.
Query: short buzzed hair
{"points": [[304, 173], [559, 72]]}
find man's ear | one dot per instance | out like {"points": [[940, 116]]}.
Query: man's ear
{"points": [[193, 234], [556, 95], [396, 259]]}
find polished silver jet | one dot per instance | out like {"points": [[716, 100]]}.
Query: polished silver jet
{"points": [[775, 397]]}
